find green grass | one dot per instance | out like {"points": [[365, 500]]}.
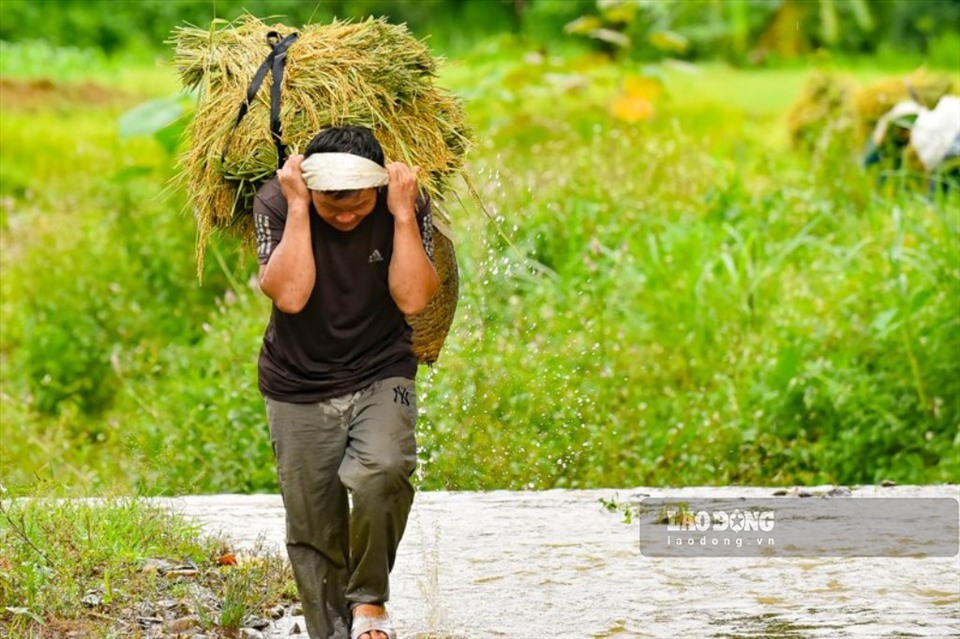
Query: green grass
{"points": [[136, 71], [54, 554], [683, 300]]}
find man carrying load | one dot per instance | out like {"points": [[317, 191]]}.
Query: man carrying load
{"points": [[345, 253]]}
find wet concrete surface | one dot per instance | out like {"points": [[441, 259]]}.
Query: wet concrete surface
{"points": [[559, 564]]}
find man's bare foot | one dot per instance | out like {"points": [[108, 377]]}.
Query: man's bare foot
{"points": [[371, 610]]}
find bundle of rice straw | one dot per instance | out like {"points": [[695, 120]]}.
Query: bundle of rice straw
{"points": [[368, 73]]}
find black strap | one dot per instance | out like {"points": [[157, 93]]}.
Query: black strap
{"points": [[279, 62], [275, 64]]}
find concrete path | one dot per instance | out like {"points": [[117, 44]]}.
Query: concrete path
{"points": [[558, 564]]}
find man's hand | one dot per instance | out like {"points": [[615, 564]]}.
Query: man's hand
{"points": [[292, 183], [402, 191]]}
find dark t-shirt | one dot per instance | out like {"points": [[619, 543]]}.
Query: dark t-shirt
{"points": [[350, 333]]}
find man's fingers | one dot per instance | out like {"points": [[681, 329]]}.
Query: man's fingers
{"points": [[397, 173], [400, 171]]}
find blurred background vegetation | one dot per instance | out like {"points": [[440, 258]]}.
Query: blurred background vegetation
{"points": [[741, 31], [715, 302]]}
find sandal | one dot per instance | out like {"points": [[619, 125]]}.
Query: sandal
{"points": [[368, 624]]}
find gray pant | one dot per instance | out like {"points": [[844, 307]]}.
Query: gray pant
{"points": [[362, 442]]}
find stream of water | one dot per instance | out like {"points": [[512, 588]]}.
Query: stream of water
{"points": [[556, 563]]}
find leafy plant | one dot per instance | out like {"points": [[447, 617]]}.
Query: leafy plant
{"points": [[164, 119]]}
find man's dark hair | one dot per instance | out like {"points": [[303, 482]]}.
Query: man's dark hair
{"points": [[356, 140]]}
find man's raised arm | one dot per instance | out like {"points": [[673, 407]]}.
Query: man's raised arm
{"points": [[290, 273], [413, 279]]}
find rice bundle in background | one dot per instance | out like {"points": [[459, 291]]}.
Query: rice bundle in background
{"points": [[876, 99], [823, 112], [368, 73], [832, 108]]}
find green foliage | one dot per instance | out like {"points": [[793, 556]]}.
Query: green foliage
{"points": [[112, 26], [196, 418], [740, 31], [544, 21], [918, 23], [38, 58], [753, 31], [162, 118], [943, 50], [90, 285]]}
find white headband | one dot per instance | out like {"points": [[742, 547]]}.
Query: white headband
{"points": [[341, 172]]}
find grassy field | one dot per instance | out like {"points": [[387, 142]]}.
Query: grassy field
{"points": [[682, 300], [73, 568]]}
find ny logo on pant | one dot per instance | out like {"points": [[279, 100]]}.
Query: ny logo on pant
{"points": [[401, 396]]}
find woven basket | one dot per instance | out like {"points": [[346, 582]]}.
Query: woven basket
{"points": [[430, 327]]}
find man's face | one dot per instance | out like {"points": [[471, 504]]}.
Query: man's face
{"points": [[344, 214]]}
